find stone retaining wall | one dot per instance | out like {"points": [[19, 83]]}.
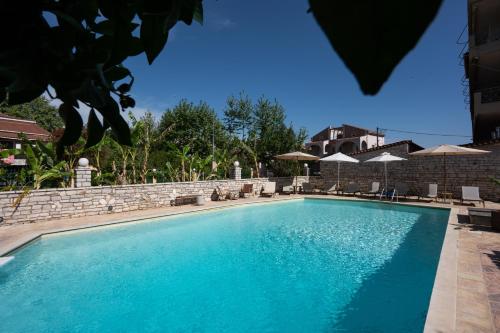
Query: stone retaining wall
{"points": [[419, 171], [46, 204]]}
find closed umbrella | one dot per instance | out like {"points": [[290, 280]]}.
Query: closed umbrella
{"points": [[339, 158], [386, 158], [297, 156], [446, 150]]}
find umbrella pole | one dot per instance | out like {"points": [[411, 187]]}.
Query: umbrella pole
{"points": [[338, 175], [444, 172], [385, 171]]}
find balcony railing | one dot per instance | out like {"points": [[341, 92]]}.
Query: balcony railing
{"points": [[490, 95]]}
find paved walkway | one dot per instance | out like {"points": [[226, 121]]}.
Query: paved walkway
{"points": [[475, 264]]}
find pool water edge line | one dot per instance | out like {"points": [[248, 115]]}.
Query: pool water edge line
{"points": [[145, 219]]}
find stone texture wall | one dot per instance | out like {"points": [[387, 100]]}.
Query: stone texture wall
{"points": [[46, 204], [419, 171]]}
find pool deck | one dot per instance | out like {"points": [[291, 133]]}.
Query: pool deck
{"points": [[466, 293]]}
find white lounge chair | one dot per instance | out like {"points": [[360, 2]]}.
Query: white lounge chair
{"points": [[374, 190], [471, 193], [433, 191], [269, 190]]}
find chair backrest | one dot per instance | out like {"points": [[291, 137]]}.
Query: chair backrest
{"points": [[375, 186], [470, 192], [352, 187], [247, 188], [270, 187], [332, 188], [433, 189], [288, 188]]}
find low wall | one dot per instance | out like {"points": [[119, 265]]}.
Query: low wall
{"points": [[419, 171], [47, 204]]}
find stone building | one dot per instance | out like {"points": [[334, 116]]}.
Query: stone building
{"points": [[346, 139], [482, 68]]}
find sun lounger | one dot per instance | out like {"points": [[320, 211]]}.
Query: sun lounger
{"points": [[224, 194], [352, 188], [269, 190], [287, 189], [332, 189], [375, 189], [471, 193], [246, 191], [433, 191]]}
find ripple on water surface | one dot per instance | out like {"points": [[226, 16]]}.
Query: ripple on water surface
{"points": [[301, 266]]}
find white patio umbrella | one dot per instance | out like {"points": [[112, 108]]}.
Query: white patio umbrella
{"points": [[446, 150], [339, 158], [297, 156], [386, 158]]}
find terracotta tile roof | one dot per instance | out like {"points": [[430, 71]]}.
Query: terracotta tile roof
{"points": [[412, 147], [11, 126]]}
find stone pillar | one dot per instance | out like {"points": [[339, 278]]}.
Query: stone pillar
{"points": [[262, 170], [306, 170], [83, 173], [236, 171]]}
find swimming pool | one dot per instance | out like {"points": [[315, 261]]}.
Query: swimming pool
{"points": [[295, 266]]}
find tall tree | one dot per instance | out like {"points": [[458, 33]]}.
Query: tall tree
{"points": [[39, 110], [270, 136], [238, 114], [192, 125]]}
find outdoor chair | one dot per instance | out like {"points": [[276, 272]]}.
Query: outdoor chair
{"points": [[375, 189], [224, 194], [287, 189], [433, 191], [471, 193], [400, 190], [331, 189], [269, 190], [246, 191], [352, 188]]}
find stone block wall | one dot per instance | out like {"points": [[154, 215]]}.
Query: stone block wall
{"points": [[419, 171], [47, 204]]}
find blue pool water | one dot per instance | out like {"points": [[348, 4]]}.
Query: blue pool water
{"points": [[298, 266]]}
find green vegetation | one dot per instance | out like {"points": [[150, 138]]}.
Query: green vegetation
{"points": [[38, 110], [189, 142]]}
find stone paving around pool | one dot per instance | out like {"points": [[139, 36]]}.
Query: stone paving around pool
{"points": [[470, 303]]}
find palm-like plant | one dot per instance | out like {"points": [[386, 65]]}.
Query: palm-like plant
{"points": [[43, 165]]}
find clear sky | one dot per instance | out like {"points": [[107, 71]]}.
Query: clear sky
{"points": [[274, 48]]}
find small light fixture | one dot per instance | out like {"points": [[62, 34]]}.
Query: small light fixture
{"points": [[236, 164]]}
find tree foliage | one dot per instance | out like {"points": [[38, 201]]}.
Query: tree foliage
{"points": [[80, 55], [38, 110]]}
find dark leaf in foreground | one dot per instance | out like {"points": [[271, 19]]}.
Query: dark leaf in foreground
{"points": [[95, 130], [373, 36]]}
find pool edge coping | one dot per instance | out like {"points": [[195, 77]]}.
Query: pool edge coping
{"points": [[442, 311]]}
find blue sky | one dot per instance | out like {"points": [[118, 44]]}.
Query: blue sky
{"points": [[265, 47]]}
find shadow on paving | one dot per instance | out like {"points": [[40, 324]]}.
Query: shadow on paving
{"points": [[396, 297]]}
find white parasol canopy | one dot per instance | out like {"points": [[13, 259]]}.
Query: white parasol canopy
{"points": [[339, 158], [446, 150], [386, 158]]}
